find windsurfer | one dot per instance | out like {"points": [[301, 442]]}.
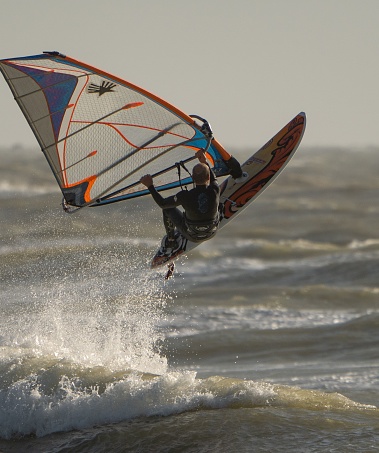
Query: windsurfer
{"points": [[199, 221]]}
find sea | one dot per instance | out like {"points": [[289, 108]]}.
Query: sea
{"points": [[265, 340]]}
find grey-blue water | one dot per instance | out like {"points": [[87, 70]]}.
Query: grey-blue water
{"points": [[266, 340]]}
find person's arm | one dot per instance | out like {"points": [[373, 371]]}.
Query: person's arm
{"points": [[169, 202], [212, 176], [201, 156]]}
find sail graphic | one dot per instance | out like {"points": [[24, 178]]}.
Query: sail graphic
{"points": [[100, 133]]}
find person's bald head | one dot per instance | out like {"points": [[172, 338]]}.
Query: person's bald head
{"points": [[201, 174]]}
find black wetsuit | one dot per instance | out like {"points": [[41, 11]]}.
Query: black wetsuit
{"points": [[200, 220]]}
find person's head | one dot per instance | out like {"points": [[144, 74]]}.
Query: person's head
{"points": [[200, 174]]}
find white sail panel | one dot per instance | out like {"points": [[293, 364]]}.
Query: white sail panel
{"points": [[99, 133]]}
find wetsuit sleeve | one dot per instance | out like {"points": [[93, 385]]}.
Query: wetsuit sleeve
{"points": [[213, 180], [169, 202]]}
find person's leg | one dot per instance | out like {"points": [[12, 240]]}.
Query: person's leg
{"points": [[169, 225], [174, 218]]}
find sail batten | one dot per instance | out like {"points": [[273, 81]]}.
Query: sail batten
{"points": [[100, 133]]}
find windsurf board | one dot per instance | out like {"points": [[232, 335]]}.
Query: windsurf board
{"points": [[261, 168]]}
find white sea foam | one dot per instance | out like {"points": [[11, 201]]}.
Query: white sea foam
{"points": [[26, 409]]}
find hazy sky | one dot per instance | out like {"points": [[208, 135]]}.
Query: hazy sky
{"points": [[248, 66]]}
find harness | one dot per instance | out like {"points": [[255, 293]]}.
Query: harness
{"points": [[201, 230]]}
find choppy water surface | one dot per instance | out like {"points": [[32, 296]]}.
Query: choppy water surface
{"points": [[266, 339]]}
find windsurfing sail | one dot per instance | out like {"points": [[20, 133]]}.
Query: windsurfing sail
{"points": [[100, 133]]}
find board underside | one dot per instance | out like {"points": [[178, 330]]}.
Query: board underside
{"points": [[262, 169]]}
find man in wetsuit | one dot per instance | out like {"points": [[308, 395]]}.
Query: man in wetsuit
{"points": [[199, 221]]}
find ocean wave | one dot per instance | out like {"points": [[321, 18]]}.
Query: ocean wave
{"points": [[363, 244], [9, 189], [27, 408], [71, 244], [341, 267], [195, 320]]}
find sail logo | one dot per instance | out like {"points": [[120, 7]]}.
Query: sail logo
{"points": [[105, 87]]}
